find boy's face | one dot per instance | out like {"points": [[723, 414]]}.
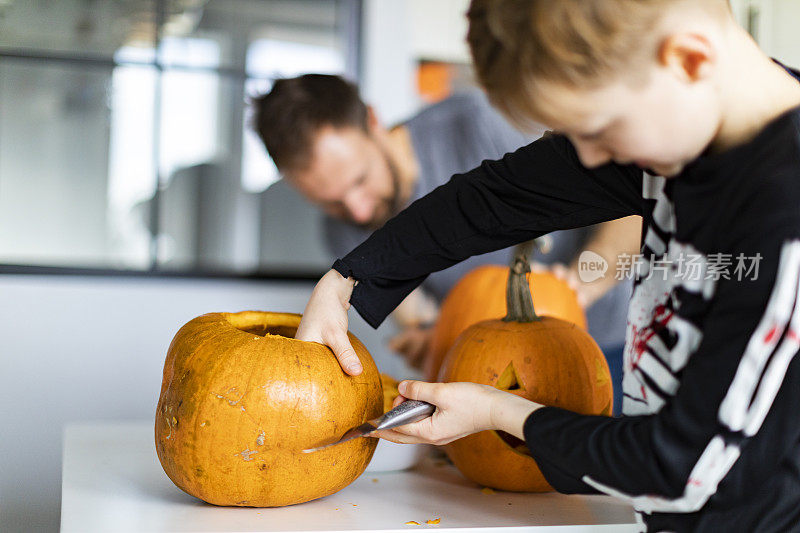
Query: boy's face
{"points": [[661, 123]]}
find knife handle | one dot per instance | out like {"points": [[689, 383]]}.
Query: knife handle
{"points": [[408, 412]]}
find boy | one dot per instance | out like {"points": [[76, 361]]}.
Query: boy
{"points": [[711, 436]]}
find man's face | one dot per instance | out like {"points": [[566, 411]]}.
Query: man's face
{"points": [[350, 176], [660, 124]]}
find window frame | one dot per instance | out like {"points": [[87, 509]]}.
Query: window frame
{"points": [[349, 21]]}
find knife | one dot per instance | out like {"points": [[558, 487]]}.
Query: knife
{"points": [[408, 412]]}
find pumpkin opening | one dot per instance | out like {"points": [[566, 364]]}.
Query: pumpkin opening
{"points": [[262, 330], [262, 324], [517, 445], [509, 380]]}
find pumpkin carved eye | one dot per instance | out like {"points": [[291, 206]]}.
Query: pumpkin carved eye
{"points": [[509, 380]]}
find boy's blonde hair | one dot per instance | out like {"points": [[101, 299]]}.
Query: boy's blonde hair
{"points": [[577, 43]]}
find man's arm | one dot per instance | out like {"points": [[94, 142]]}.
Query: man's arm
{"points": [[414, 317], [539, 188], [612, 240]]}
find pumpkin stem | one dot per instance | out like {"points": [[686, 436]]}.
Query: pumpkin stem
{"points": [[519, 302]]}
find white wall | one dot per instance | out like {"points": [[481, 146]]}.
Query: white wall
{"points": [[778, 34], [396, 36], [774, 24], [87, 348], [439, 30], [388, 77]]}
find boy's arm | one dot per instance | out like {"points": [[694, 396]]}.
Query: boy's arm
{"points": [[733, 417], [539, 188]]}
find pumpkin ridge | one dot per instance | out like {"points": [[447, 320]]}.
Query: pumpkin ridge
{"points": [[214, 336], [203, 400], [178, 335]]}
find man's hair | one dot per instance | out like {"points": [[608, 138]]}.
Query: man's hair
{"points": [[578, 43], [288, 116]]}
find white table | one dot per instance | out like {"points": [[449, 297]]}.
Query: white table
{"points": [[113, 482]]}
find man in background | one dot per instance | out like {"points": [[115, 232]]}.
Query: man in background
{"points": [[332, 148]]}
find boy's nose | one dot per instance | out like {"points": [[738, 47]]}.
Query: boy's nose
{"points": [[591, 155]]}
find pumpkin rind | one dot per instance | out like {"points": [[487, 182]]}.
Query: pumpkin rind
{"points": [[480, 295], [557, 364], [238, 404], [544, 359]]}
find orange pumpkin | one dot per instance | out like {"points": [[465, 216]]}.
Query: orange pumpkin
{"points": [[390, 391], [480, 295], [241, 398], [544, 359]]}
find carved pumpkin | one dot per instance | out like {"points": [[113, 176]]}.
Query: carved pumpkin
{"points": [[544, 359], [241, 398], [481, 295]]}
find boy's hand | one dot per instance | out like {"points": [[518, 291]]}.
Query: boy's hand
{"points": [[461, 409], [325, 319]]}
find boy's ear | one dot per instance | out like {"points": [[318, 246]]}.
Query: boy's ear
{"points": [[690, 56]]}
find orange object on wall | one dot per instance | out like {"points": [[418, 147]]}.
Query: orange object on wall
{"points": [[434, 80]]}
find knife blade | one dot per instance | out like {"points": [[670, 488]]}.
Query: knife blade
{"points": [[408, 412]]}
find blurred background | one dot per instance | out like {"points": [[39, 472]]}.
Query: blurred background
{"points": [[134, 195]]}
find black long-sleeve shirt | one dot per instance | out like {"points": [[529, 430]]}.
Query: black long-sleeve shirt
{"points": [[710, 439]]}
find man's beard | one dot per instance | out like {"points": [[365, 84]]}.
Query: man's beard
{"points": [[390, 205]]}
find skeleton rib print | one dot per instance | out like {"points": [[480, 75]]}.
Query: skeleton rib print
{"points": [[660, 342]]}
